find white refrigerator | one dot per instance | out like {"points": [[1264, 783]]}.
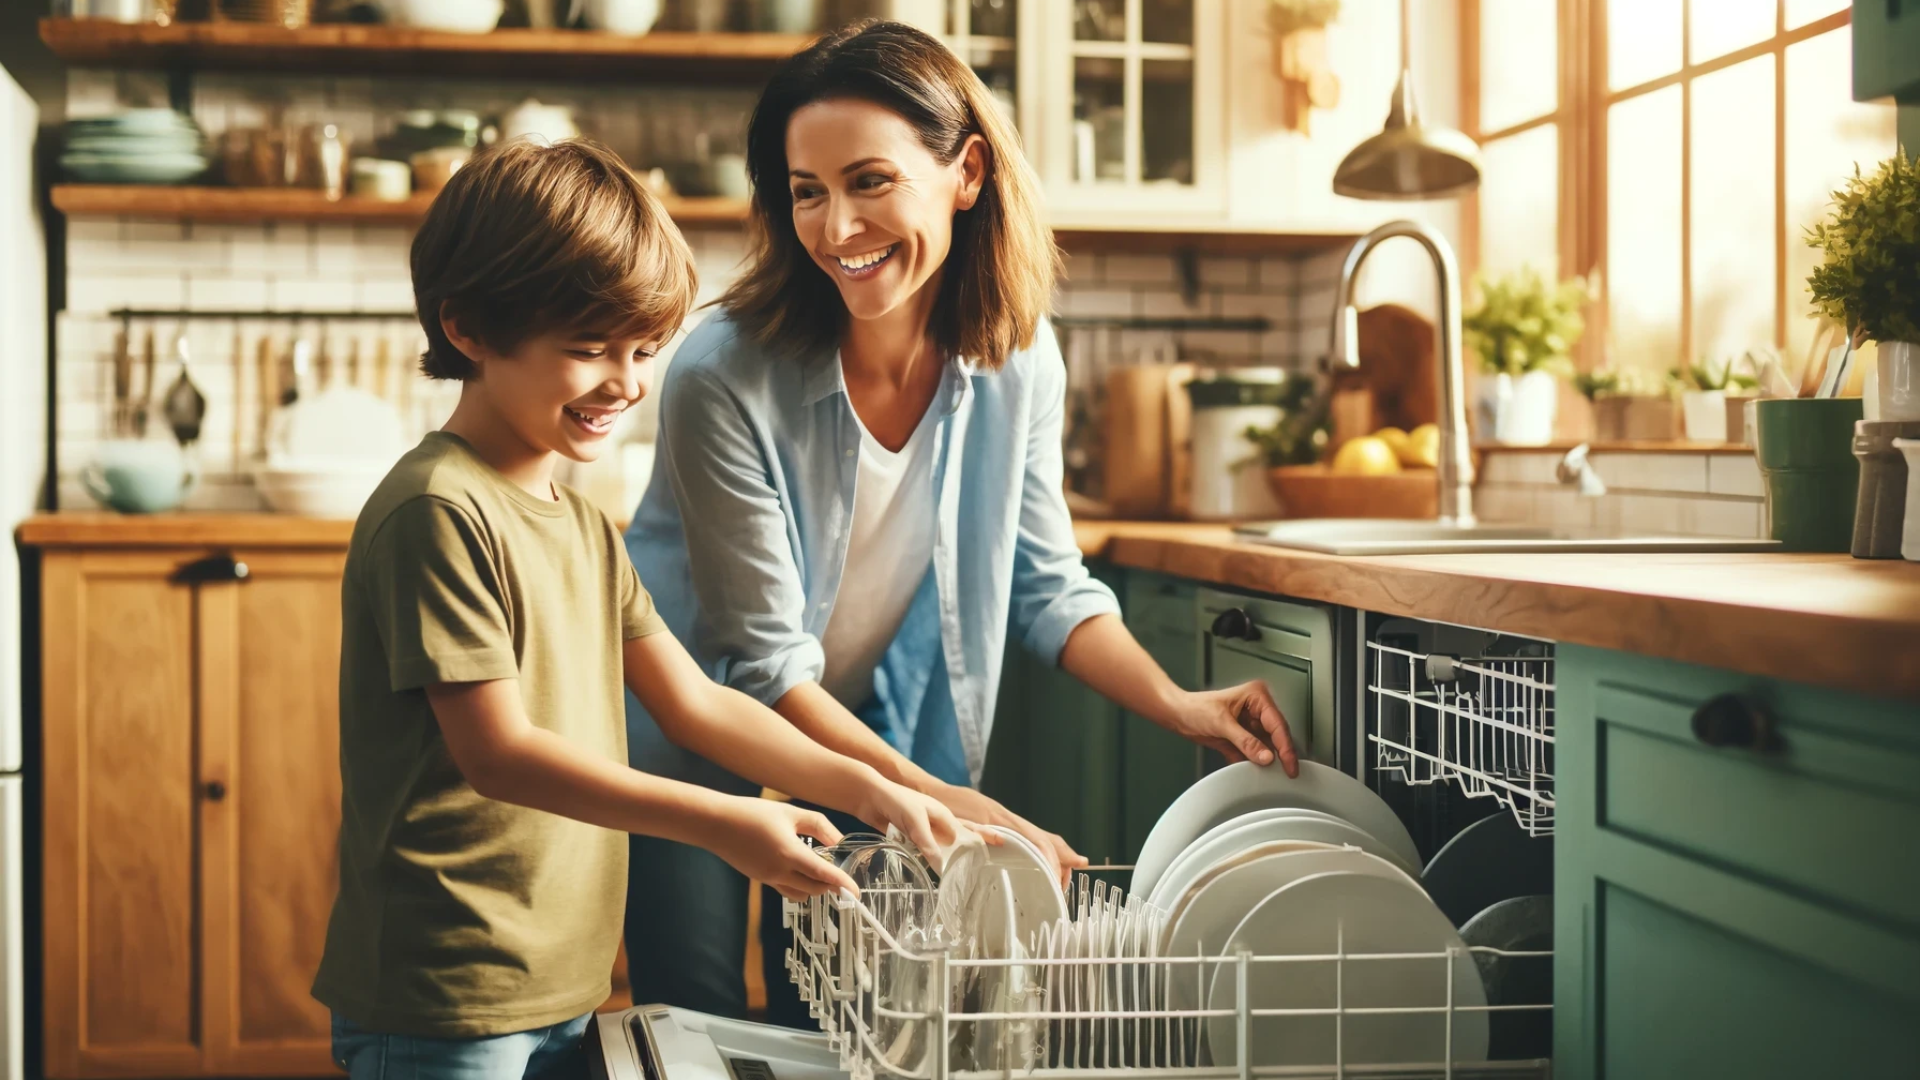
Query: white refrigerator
{"points": [[23, 465]]}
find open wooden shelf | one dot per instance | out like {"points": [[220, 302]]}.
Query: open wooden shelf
{"points": [[300, 204], [357, 49]]}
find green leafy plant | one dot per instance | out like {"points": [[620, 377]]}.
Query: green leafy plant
{"points": [[1870, 279], [1626, 382], [1704, 374], [1525, 323], [1300, 436], [1290, 16]]}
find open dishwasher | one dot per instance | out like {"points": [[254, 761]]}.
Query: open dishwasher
{"points": [[1452, 727]]}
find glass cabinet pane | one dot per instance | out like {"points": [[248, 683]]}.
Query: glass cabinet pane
{"points": [[1099, 20], [993, 18], [1167, 21], [1519, 68], [1520, 202], [1653, 26], [1733, 212], [1166, 120], [1643, 230], [1099, 120]]}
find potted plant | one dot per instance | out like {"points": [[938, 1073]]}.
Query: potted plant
{"points": [[1869, 280], [1523, 330], [1703, 396], [1630, 404]]}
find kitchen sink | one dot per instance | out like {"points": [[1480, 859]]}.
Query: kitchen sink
{"points": [[1382, 536]]}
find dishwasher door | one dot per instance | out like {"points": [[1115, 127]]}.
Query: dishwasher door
{"points": [[659, 1042]]}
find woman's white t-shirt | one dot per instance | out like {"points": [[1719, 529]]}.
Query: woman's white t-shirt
{"points": [[889, 550]]}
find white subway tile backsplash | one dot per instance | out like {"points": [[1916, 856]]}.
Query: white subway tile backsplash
{"points": [[224, 292], [1723, 517], [1514, 467], [383, 294], [1275, 309], [334, 250], [1137, 270], [1734, 474], [1227, 272], [1504, 503], [1279, 274], [1653, 472], [97, 294], [315, 295], [1089, 302], [1168, 304]]}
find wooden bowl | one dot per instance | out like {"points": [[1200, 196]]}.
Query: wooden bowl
{"points": [[1313, 491]]}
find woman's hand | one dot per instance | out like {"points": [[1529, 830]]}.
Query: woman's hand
{"points": [[1241, 722], [761, 839], [925, 821], [969, 805]]}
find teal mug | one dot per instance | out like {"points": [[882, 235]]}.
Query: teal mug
{"points": [[139, 476], [1805, 450]]}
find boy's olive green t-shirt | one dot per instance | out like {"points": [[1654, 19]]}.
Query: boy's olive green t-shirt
{"points": [[458, 915]]}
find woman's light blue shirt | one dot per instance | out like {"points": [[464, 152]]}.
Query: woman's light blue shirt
{"points": [[742, 540]]}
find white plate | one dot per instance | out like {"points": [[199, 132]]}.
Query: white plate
{"points": [[994, 907], [1258, 827], [1038, 857], [1359, 913], [1237, 789]]}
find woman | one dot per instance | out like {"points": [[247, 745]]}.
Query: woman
{"points": [[857, 493]]}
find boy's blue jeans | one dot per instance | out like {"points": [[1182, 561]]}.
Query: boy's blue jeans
{"points": [[549, 1053]]}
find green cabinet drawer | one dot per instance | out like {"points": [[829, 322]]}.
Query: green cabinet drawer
{"points": [[1290, 645], [1749, 908]]}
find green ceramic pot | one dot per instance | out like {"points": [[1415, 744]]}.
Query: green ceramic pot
{"points": [[1805, 450]]}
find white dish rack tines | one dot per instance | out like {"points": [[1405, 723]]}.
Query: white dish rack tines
{"points": [[893, 1013], [1484, 722]]}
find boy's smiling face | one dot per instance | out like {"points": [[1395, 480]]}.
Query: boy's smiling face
{"points": [[561, 391]]}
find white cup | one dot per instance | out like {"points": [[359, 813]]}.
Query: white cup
{"points": [[622, 16], [1898, 371]]}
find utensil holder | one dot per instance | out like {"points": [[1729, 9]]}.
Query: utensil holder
{"points": [[1805, 450], [1880, 515]]}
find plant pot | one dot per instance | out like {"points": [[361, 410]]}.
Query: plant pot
{"points": [[1314, 491], [1635, 419], [1518, 411], [1704, 413], [1737, 429], [1898, 369], [1805, 450]]}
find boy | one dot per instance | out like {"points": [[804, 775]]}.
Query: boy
{"points": [[490, 618]]}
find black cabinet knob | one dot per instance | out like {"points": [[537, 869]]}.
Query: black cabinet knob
{"points": [[222, 567], [216, 791], [1735, 721], [1235, 623]]}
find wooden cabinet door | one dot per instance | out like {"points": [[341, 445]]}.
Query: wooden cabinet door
{"points": [[269, 668], [120, 821]]}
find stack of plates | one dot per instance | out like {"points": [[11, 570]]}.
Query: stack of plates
{"points": [[137, 146], [1248, 859]]}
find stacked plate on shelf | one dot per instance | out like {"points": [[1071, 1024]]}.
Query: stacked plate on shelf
{"points": [[1248, 860], [134, 146]]}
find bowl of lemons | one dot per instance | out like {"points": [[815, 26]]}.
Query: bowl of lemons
{"points": [[1388, 474]]}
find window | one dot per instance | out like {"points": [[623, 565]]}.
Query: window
{"points": [[1676, 149]]}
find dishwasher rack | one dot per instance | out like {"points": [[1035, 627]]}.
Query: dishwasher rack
{"points": [[895, 1013], [1483, 722]]}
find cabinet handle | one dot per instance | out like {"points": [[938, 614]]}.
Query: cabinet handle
{"points": [[216, 791], [222, 567], [1737, 722], [1235, 623]]}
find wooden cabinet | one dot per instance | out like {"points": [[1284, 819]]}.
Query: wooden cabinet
{"points": [[190, 736], [1736, 892]]}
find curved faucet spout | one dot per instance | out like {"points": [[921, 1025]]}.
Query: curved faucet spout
{"points": [[1455, 472]]}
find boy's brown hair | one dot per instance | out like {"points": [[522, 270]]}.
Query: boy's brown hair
{"points": [[529, 237], [1000, 271]]}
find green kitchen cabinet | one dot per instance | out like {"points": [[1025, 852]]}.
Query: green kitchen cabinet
{"points": [[1156, 764], [1287, 644], [1736, 879], [1054, 755]]}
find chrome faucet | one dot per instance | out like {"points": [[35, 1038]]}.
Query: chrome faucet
{"points": [[1456, 468]]}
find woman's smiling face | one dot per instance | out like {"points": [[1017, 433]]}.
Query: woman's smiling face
{"points": [[871, 204]]}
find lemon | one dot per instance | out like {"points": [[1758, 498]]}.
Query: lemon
{"points": [[1423, 448], [1366, 456], [1394, 438]]}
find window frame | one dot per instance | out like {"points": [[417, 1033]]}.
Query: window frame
{"points": [[1582, 112]]}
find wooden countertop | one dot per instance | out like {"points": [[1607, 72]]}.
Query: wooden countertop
{"points": [[1829, 620]]}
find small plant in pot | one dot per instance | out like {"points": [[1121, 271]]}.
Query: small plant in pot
{"points": [[1703, 396], [1869, 280], [1631, 404], [1523, 330]]}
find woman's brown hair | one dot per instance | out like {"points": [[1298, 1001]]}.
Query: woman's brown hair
{"points": [[999, 274], [528, 238]]}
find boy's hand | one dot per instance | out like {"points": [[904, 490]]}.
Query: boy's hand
{"points": [[969, 805], [931, 826], [761, 839]]}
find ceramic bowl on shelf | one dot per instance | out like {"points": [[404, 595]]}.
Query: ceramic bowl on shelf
{"points": [[460, 16], [321, 489]]}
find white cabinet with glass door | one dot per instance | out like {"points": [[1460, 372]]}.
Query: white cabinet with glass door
{"points": [[1128, 114]]}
